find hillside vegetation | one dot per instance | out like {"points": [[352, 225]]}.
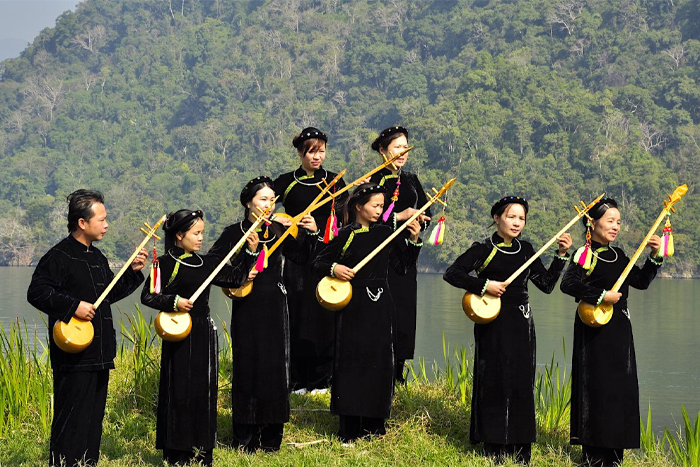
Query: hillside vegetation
{"points": [[176, 103]]}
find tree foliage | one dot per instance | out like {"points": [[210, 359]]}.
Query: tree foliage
{"points": [[170, 104]]}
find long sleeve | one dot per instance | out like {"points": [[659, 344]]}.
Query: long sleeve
{"points": [[404, 254], [48, 280], [126, 285], [329, 254], [458, 274], [573, 284], [422, 199], [640, 278], [546, 279], [160, 301], [301, 249]]}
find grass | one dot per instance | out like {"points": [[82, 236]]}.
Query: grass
{"points": [[429, 424]]}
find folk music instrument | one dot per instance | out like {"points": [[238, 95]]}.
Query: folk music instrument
{"points": [[334, 294], [247, 287], [485, 308], [76, 335], [599, 315], [174, 326]]}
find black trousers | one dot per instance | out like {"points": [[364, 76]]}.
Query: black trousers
{"points": [[601, 457], [521, 452], [258, 437], [354, 427], [79, 407], [181, 458]]}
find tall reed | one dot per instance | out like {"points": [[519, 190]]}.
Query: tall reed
{"points": [[686, 447], [143, 353], [649, 443], [26, 391], [553, 396]]}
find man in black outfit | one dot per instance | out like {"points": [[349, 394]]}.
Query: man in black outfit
{"points": [[67, 281]]}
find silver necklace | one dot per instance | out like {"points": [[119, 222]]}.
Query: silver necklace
{"points": [[201, 261], [606, 260], [274, 235], [325, 174], [508, 252]]}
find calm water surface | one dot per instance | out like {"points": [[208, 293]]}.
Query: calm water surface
{"points": [[665, 318]]}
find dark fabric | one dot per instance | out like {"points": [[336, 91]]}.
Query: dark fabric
{"points": [[363, 370], [182, 458], [68, 273], [501, 452], [260, 331], [254, 437], [503, 407], [411, 195], [351, 427], [601, 457], [79, 407], [188, 389], [604, 387], [311, 326]]}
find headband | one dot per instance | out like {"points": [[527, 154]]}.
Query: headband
{"points": [[177, 220]]}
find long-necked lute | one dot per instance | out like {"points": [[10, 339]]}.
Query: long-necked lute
{"points": [[485, 308], [174, 326], [599, 315], [247, 287], [334, 294], [76, 335]]}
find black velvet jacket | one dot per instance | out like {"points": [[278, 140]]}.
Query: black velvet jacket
{"points": [[69, 273]]}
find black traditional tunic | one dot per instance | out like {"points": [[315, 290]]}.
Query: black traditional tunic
{"points": [[411, 195], [260, 330], [68, 273], [311, 327], [503, 406], [363, 372], [187, 396], [604, 389]]}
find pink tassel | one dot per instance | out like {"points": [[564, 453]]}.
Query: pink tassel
{"points": [[387, 213], [261, 262]]}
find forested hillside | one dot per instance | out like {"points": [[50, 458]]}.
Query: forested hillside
{"points": [[164, 104]]}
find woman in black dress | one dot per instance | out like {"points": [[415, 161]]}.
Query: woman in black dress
{"points": [[604, 389], [363, 370], [260, 326], [187, 395], [503, 405], [404, 195], [311, 327]]}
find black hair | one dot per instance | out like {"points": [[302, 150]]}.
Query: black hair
{"points": [[179, 222], [80, 206], [359, 197], [309, 139], [598, 210], [252, 187], [387, 136]]}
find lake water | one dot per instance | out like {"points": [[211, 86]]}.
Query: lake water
{"points": [[665, 318]]}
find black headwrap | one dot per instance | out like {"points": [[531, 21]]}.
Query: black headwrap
{"points": [[498, 205], [308, 133], [251, 188], [386, 135]]}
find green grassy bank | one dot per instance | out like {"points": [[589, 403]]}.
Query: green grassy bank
{"points": [[429, 424]]}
